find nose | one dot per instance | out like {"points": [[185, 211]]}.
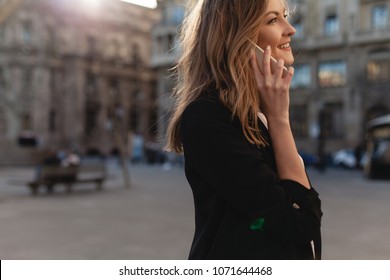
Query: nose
{"points": [[289, 30]]}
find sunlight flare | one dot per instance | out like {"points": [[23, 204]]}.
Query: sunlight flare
{"points": [[152, 4]]}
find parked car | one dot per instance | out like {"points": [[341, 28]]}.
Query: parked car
{"points": [[379, 164], [346, 158], [378, 146], [309, 159]]}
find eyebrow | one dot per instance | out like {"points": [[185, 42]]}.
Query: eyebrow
{"points": [[274, 12]]}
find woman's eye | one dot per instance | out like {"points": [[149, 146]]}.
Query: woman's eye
{"points": [[273, 20], [285, 16]]}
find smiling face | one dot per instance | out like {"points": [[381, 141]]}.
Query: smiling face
{"points": [[276, 32]]}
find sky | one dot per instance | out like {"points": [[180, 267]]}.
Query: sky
{"points": [[146, 3]]}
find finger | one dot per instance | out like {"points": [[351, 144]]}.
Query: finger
{"points": [[267, 61], [279, 68], [289, 75]]}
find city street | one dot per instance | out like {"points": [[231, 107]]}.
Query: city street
{"points": [[154, 219]]}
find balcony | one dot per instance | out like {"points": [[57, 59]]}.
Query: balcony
{"points": [[372, 35], [358, 37], [319, 42]]}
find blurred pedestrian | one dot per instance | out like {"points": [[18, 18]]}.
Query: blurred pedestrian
{"points": [[50, 158], [253, 199], [71, 158]]}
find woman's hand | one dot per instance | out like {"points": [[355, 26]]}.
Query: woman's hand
{"points": [[274, 104], [273, 87]]}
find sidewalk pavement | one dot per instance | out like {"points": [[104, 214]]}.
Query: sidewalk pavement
{"points": [[155, 219], [152, 220]]}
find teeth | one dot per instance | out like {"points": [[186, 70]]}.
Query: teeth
{"points": [[287, 45]]}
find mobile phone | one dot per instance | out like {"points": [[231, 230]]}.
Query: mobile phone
{"points": [[260, 54]]}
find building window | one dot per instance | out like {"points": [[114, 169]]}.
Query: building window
{"points": [[178, 14], [113, 90], [298, 25], [302, 76], [26, 122], [27, 32], [90, 86], [378, 71], [160, 45], [332, 74], [91, 45], [331, 25], [136, 55], [114, 49], [27, 79], [91, 116], [174, 15], [153, 121], [332, 121], [379, 16], [51, 38], [298, 116], [134, 119]]}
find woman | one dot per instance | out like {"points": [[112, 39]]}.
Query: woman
{"points": [[252, 197]]}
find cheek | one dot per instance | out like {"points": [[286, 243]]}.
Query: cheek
{"points": [[266, 39]]}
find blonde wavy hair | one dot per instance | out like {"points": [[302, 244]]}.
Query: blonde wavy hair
{"points": [[215, 52]]}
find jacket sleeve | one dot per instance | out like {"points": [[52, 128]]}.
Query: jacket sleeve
{"points": [[215, 147]]}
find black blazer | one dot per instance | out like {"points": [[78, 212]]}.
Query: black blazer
{"points": [[242, 209]]}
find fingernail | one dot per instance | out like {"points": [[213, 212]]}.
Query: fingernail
{"points": [[268, 48]]}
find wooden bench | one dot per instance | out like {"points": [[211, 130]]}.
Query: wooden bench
{"points": [[49, 176]]}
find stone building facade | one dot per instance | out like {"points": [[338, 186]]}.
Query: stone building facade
{"points": [[165, 52], [342, 78], [342, 68], [70, 68]]}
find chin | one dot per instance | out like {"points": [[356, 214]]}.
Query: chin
{"points": [[288, 61], [288, 58]]}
